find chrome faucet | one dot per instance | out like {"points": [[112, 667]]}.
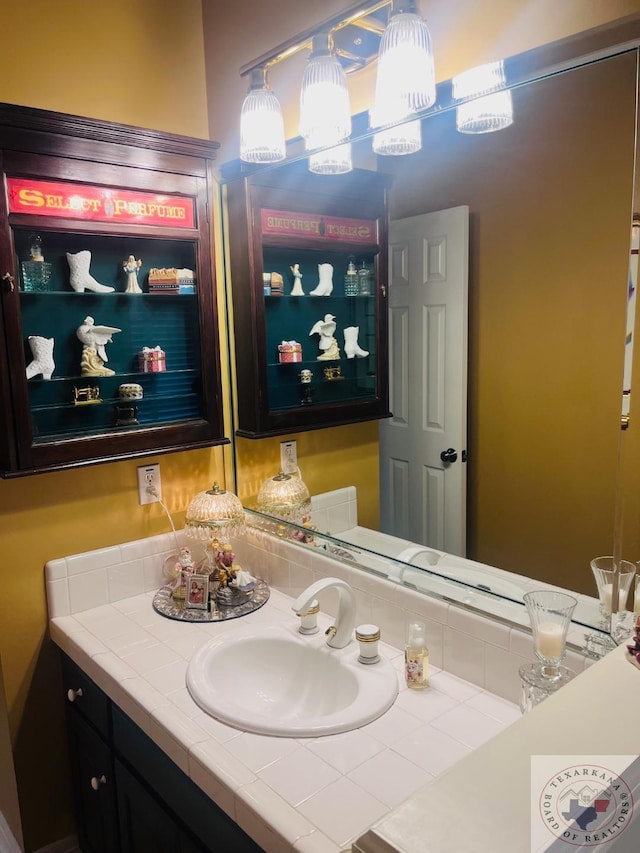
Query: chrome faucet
{"points": [[340, 634]]}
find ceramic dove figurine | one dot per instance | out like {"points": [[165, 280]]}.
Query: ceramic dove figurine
{"points": [[328, 344], [93, 339]]}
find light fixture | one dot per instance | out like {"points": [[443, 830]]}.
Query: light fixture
{"points": [[405, 82], [399, 139], [285, 497], [485, 114], [325, 113], [261, 125], [332, 161], [214, 514], [390, 32]]}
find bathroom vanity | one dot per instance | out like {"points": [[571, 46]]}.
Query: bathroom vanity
{"points": [[313, 795], [129, 795]]}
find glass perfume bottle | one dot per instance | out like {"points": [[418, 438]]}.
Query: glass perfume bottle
{"points": [[364, 281], [416, 657], [351, 280], [36, 272]]}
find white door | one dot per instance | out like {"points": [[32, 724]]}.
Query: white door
{"points": [[422, 495]]}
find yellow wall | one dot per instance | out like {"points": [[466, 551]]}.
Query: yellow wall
{"points": [[142, 63], [139, 63]]}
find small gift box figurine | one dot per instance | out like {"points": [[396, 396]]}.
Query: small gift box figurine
{"points": [[152, 360], [290, 351]]}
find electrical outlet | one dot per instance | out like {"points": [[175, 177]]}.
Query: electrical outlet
{"points": [[149, 485], [288, 457]]}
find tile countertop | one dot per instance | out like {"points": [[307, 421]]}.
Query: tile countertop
{"points": [[313, 795], [491, 801]]}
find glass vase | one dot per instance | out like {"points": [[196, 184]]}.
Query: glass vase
{"points": [[602, 568], [550, 614]]}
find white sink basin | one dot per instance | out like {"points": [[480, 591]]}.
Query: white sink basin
{"points": [[274, 681]]}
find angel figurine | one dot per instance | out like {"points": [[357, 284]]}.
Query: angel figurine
{"points": [[297, 281], [93, 339], [131, 267]]}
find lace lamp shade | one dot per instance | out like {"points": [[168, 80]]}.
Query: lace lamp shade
{"points": [[284, 496], [215, 514]]}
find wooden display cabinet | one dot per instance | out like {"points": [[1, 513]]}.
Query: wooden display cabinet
{"points": [[113, 191], [287, 216]]}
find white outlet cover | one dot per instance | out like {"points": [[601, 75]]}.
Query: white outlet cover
{"points": [[149, 475]]}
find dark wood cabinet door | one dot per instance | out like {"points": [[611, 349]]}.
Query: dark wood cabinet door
{"points": [[145, 824], [94, 788]]}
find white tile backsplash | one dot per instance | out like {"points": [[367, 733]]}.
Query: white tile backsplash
{"points": [[479, 649]]}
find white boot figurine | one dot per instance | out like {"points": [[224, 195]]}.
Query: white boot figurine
{"points": [[81, 279], [351, 345], [325, 284], [42, 351]]}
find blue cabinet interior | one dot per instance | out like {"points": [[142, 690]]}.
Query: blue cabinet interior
{"points": [[168, 321]]}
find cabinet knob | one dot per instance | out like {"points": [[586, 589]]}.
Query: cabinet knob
{"points": [[72, 695], [11, 283], [96, 781]]}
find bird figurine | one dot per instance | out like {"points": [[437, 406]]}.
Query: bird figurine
{"points": [[328, 344], [93, 339]]}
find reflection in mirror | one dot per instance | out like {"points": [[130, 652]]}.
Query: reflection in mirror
{"points": [[549, 202], [483, 589]]}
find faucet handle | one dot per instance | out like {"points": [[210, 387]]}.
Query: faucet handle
{"points": [[330, 632]]}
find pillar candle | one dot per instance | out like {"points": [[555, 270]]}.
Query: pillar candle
{"points": [[549, 640], [607, 597]]}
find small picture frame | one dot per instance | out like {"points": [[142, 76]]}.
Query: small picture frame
{"points": [[198, 592]]}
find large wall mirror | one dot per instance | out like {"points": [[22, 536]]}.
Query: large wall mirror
{"points": [[550, 473]]}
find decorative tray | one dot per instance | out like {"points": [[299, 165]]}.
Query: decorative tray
{"points": [[164, 604]]}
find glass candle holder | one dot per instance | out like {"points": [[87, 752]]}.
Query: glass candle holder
{"points": [[636, 597], [550, 615], [602, 568]]}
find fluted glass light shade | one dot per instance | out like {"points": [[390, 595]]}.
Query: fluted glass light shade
{"points": [[332, 161], [325, 112], [406, 80], [284, 496], [486, 114], [261, 124], [399, 139], [214, 514]]}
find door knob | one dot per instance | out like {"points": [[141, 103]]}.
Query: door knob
{"points": [[72, 695], [449, 455]]}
